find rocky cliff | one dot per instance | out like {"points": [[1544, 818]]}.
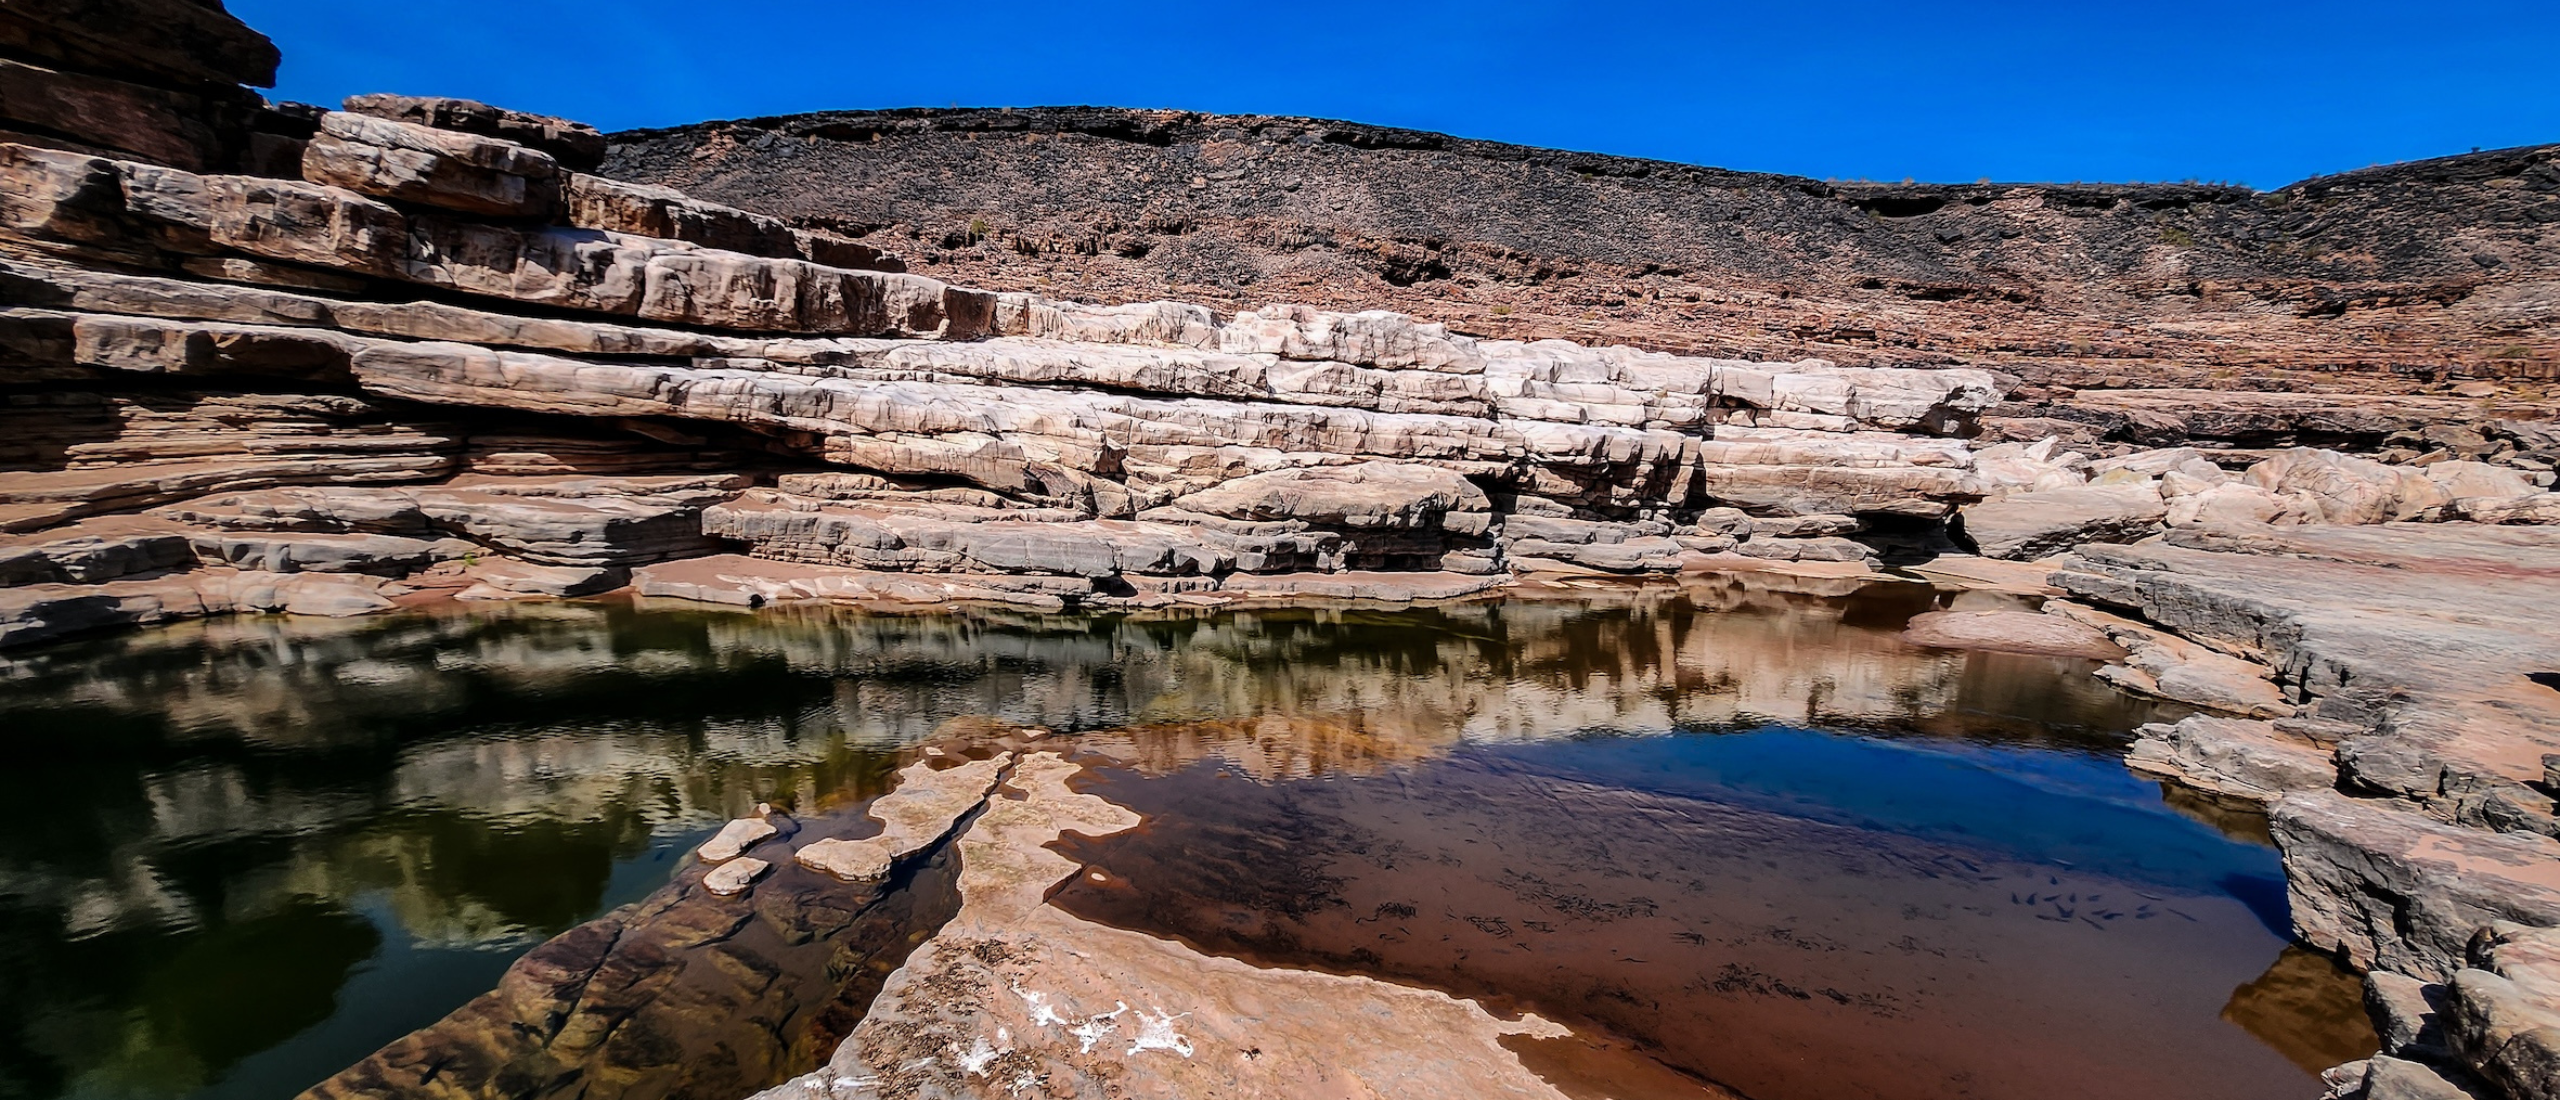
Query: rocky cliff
{"points": [[264, 358]]}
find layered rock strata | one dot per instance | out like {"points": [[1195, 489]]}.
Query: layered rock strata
{"points": [[259, 358], [2412, 794]]}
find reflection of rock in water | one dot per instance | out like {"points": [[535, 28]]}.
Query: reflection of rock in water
{"points": [[474, 778], [2309, 1008], [683, 994], [2237, 820]]}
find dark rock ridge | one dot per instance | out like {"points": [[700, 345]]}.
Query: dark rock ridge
{"points": [[2435, 269], [257, 359]]}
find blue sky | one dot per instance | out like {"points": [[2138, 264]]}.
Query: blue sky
{"points": [[2261, 93]]}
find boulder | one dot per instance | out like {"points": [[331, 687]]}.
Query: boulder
{"points": [[736, 837], [1359, 495], [2501, 1014], [2010, 632], [573, 145], [2407, 1015], [2237, 758], [2540, 508], [735, 876], [2338, 488], [2226, 504], [439, 168], [2469, 480], [2025, 526]]}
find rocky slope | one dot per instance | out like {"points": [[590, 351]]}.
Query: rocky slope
{"points": [[2441, 269], [261, 359]]}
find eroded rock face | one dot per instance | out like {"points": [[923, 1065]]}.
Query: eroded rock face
{"points": [[313, 362], [2390, 887], [574, 145], [2252, 761], [2501, 1015], [2030, 525], [2421, 635]]}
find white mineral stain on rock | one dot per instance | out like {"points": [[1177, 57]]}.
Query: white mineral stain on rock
{"points": [[1037, 1003], [1094, 1028], [1156, 1033]]}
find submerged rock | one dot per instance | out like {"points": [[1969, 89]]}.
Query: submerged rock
{"points": [[733, 877], [1014, 994], [926, 806]]}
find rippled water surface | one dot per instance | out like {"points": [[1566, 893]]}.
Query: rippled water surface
{"points": [[1747, 830]]}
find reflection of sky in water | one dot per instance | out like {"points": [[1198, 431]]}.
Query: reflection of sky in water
{"points": [[2073, 809]]}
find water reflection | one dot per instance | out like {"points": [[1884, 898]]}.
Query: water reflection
{"points": [[238, 855]]}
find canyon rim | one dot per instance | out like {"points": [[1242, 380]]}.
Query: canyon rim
{"points": [[1191, 401]]}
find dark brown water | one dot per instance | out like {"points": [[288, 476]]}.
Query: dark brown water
{"points": [[1746, 830]]}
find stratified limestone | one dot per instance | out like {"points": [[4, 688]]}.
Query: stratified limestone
{"points": [[35, 613], [94, 552], [1015, 994], [2162, 664], [574, 145], [1359, 495], [183, 41], [1363, 587], [754, 582], [2026, 526], [500, 578], [2236, 758], [551, 521], [440, 168], [2392, 888], [2423, 636], [2501, 1015], [926, 806]]}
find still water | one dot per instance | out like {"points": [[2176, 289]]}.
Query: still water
{"points": [[1747, 829]]}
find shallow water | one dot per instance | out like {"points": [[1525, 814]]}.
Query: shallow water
{"points": [[1747, 830]]}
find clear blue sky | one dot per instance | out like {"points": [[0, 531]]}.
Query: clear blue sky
{"points": [[2259, 93]]}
